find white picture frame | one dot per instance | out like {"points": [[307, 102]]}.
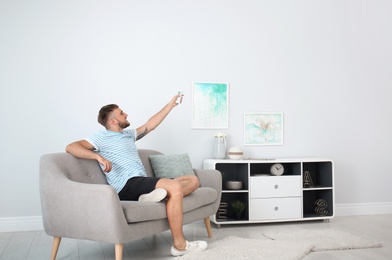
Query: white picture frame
{"points": [[210, 105], [263, 128]]}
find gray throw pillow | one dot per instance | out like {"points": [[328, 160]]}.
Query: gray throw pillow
{"points": [[171, 166]]}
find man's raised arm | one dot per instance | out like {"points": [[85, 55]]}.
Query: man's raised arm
{"points": [[156, 119]]}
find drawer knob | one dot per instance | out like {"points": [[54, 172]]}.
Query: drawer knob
{"points": [[276, 186], [276, 208]]}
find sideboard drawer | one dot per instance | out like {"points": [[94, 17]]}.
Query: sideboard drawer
{"points": [[275, 186], [272, 209]]}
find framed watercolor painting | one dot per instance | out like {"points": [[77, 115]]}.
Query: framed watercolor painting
{"points": [[210, 105], [263, 128]]}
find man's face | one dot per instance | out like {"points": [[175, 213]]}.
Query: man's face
{"points": [[121, 118]]}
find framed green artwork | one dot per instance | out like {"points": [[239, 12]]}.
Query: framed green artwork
{"points": [[210, 105]]}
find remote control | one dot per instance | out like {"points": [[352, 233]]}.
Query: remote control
{"points": [[179, 99]]}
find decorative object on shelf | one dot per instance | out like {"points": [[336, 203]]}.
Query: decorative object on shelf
{"points": [[321, 207], [233, 185], [238, 208], [263, 128], [212, 99], [308, 182], [219, 146], [235, 153], [277, 169], [222, 211]]}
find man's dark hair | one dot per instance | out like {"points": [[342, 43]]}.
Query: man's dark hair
{"points": [[104, 112]]}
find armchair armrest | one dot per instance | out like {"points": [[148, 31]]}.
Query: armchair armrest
{"points": [[80, 210], [210, 178]]}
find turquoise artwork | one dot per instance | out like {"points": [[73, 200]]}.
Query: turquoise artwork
{"points": [[210, 105], [263, 128]]}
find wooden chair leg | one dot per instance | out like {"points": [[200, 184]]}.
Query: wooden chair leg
{"points": [[55, 247], [118, 248], [207, 223]]}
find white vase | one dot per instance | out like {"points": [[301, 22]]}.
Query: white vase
{"points": [[219, 147]]}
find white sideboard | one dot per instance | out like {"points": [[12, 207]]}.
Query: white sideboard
{"points": [[305, 190]]}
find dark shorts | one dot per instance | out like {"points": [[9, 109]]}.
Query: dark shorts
{"points": [[137, 186]]}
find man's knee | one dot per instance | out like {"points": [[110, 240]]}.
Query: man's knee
{"points": [[195, 181], [175, 188]]}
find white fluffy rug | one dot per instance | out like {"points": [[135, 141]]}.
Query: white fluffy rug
{"points": [[243, 248], [290, 245], [324, 240]]}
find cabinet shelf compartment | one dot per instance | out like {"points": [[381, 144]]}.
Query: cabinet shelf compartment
{"points": [[226, 213], [234, 172], [310, 197], [320, 173], [257, 169]]}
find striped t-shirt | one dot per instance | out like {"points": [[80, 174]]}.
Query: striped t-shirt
{"points": [[121, 151]]}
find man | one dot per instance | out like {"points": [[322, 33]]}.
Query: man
{"points": [[115, 150]]}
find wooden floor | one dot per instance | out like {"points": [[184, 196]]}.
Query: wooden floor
{"points": [[37, 245]]}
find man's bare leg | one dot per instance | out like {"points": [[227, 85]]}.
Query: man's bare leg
{"points": [[189, 183], [174, 209]]}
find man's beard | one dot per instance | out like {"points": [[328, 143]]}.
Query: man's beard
{"points": [[124, 124]]}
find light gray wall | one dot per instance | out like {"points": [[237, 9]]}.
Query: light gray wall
{"points": [[325, 64]]}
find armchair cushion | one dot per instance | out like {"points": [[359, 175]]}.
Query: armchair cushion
{"points": [[171, 166], [136, 211]]}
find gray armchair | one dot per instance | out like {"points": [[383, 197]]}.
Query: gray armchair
{"points": [[77, 202]]}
